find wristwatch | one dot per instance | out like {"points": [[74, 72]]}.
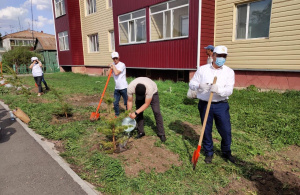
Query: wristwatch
{"points": [[135, 113]]}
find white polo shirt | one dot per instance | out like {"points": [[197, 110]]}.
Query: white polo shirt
{"points": [[206, 74], [120, 79], [37, 70]]}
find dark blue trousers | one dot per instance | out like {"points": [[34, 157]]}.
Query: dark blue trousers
{"points": [[219, 112], [117, 95]]}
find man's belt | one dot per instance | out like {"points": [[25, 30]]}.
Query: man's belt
{"points": [[222, 101]]}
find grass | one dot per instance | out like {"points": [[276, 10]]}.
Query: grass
{"points": [[261, 122]]}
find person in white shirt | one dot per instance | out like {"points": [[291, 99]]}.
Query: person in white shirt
{"points": [[219, 110], [37, 73], [119, 73]]}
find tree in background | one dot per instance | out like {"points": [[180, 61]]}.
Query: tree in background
{"points": [[19, 55]]}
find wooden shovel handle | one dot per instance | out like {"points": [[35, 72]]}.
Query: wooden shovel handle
{"points": [[206, 114], [104, 90]]}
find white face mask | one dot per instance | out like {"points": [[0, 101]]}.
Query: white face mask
{"points": [[220, 61]]}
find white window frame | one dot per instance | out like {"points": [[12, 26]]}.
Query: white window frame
{"points": [[164, 20], [93, 41], [112, 45], [247, 22], [135, 28], [62, 6], [91, 7], [64, 36]]}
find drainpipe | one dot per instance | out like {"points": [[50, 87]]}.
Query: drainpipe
{"points": [[199, 33], [52, 2]]}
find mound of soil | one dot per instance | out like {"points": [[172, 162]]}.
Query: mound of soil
{"points": [[143, 155], [280, 176]]}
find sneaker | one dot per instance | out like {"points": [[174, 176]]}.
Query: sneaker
{"points": [[208, 159], [229, 157], [39, 94], [140, 135], [162, 138]]}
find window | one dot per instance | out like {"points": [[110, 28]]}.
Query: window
{"points": [[169, 20], [112, 41], [21, 42], [253, 20], [63, 41], [90, 6], [93, 43], [60, 8], [132, 27]]}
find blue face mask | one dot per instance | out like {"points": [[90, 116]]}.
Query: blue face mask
{"points": [[220, 61]]}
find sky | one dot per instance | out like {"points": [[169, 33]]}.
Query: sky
{"points": [[15, 15]]}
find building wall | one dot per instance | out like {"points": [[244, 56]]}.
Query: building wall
{"points": [[70, 22], [169, 54], [100, 22], [278, 52]]}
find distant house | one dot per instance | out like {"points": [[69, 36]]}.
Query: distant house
{"points": [[21, 39], [47, 47]]}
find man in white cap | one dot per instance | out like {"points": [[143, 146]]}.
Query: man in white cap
{"points": [[219, 110], [119, 73]]}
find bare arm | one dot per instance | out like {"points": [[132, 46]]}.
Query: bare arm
{"points": [[31, 65], [40, 64], [141, 109], [129, 102], [116, 71]]}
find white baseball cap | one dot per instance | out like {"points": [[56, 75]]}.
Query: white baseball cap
{"points": [[220, 49], [34, 58], [114, 55]]}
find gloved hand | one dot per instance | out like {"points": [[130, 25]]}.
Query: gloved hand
{"points": [[204, 87], [214, 88]]}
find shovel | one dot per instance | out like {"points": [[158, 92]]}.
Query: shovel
{"points": [[197, 151], [95, 115]]}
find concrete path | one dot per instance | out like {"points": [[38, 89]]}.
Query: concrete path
{"points": [[28, 166]]}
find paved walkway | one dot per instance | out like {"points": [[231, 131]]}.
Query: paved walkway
{"points": [[27, 168]]}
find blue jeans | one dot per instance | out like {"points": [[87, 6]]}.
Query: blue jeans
{"points": [[220, 113], [117, 95]]}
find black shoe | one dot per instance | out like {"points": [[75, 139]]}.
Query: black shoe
{"points": [[229, 157], [208, 159], [140, 135], [162, 138]]}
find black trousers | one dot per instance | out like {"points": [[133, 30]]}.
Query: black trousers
{"points": [[156, 111], [38, 81]]}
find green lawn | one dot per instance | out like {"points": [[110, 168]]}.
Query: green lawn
{"points": [[261, 122]]}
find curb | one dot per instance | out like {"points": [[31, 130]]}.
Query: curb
{"points": [[84, 185]]}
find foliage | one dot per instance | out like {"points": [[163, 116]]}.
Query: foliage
{"points": [[18, 55], [261, 122], [63, 108], [109, 101], [114, 132]]}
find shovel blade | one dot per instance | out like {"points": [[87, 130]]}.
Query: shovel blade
{"points": [[196, 156], [94, 116]]}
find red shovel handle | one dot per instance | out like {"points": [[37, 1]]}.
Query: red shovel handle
{"points": [[206, 114], [104, 90]]}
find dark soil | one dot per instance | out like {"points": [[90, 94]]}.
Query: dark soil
{"points": [[143, 155], [281, 175]]}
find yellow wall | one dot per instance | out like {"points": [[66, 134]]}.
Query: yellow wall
{"points": [[278, 52], [100, 22]]}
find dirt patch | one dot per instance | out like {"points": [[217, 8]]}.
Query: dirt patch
{"points": [[39, 100], [281, 175], [143, 155], [58, 145]]}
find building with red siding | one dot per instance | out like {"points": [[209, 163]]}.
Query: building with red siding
{"points": [[68, 33], [161, 39]]}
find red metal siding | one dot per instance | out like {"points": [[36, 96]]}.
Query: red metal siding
{"points": [[207, 28], [171, 54], [75, 32], [70, 22]]}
